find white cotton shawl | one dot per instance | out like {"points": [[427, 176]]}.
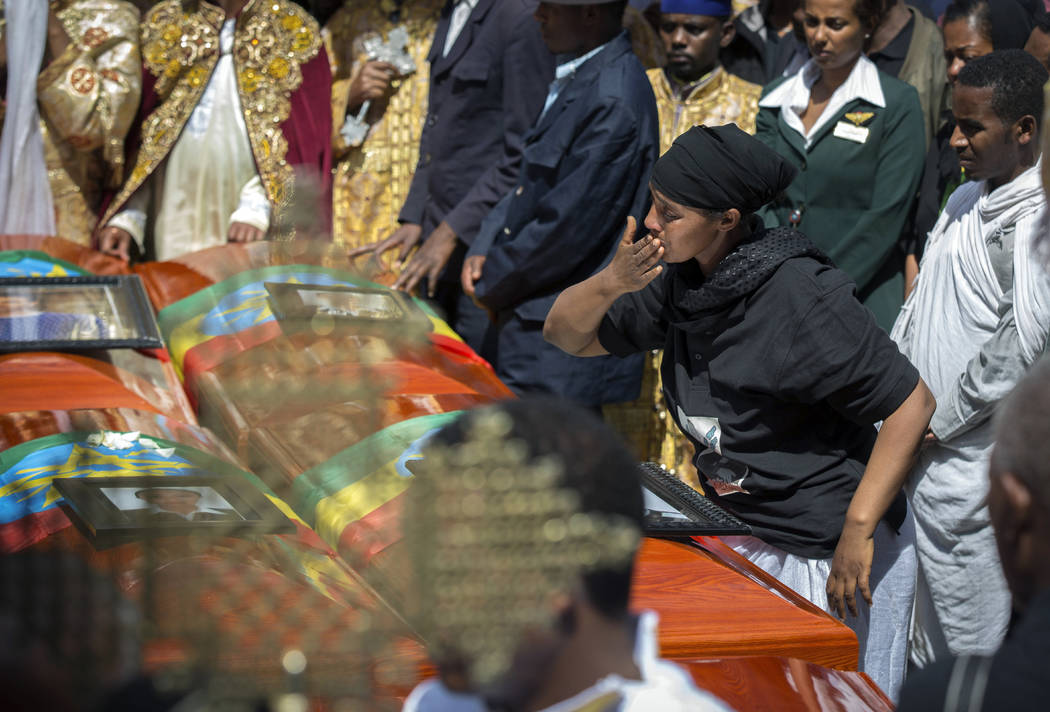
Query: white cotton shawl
{"points": [[26, 206], [953, 310]]}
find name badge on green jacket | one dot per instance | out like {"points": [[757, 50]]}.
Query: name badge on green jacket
{"points": [[858, 134]]}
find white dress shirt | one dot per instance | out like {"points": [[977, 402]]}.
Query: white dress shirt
{"points": [[209, 180], [564, 73], [460, 15], [792, 97]]}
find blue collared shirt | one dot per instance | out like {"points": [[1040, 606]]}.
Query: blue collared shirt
{"points": [[564, 73]]}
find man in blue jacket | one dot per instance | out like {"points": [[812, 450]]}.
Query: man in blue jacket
{"points": [[585, 168], [489, 71]]}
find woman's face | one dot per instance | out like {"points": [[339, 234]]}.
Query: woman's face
{"points": [[963, 41], [685, 232], [834, 33]]}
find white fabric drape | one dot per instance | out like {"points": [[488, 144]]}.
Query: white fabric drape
{"points": [[882, 628], [955, 309], [209, 179], [26, 206]]}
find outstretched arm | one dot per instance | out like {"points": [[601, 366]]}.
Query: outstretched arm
{"points": [[573, 321], [891, 459]]}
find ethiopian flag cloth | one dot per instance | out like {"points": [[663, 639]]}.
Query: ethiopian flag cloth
{"points": [[29, 509], [218, 322], [353, 499], [33, 263]]}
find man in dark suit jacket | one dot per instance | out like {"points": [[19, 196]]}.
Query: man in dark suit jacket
{"points": [[489, 71], [585, 170]]}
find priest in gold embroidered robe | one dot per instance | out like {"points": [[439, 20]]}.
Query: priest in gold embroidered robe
{"points": [[68, 125], [371, 180], [692, 90], [235, 116]]}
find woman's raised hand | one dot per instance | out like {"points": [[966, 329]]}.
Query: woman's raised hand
{"points": [[635, 264]]}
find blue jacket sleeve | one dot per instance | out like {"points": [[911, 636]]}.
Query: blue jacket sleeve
{"points": [[570, 224]]}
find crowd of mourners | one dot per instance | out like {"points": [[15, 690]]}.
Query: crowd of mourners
{"points": [[792, 250]]}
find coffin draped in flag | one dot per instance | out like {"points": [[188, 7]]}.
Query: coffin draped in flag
{"points": [[234, 315], [354, 499], [29, 504], [33, 263]]}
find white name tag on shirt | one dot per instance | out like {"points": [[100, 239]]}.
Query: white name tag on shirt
{"points": [[848, 131]]}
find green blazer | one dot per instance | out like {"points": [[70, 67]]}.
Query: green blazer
{"points": [[855, 197]]}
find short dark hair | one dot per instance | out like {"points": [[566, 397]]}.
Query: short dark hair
{"points": [[869, 12], [1042, 23], [1016, 79], [597, 467]]}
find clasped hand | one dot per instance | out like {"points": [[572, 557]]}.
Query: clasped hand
{"points": [[635, 264]]}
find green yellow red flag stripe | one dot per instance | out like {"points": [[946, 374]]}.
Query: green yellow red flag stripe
{"points": [[347, 499], [238, 312]]}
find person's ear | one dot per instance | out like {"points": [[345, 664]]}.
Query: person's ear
{"points": [[1024, 129], [730, 219], [728, 33]]}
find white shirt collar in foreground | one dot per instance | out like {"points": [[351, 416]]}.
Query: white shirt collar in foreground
{"points": [[792, 96]]}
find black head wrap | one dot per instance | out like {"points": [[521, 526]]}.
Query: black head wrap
{"points": [[721, 167], [1011, 24]]}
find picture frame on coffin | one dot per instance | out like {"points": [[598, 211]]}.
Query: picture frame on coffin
{"points": [[325, 308], [76, 314], [110, 511]]}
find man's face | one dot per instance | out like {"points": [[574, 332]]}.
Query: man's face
{"points": [[173, 500], [988, 149], [562, 26], [692, 43]]}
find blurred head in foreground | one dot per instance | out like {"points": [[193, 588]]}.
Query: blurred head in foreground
{"points": [[1019, 495], [523, 522]]}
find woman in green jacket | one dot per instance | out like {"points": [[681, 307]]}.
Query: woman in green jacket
{"points": [[856, 135]]}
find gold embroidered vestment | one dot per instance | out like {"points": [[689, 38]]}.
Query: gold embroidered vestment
{"points": [[371, 181], [87, 97], [180, 49]]}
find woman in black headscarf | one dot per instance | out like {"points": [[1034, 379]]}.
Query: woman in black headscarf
{"points": [[777, 374]]}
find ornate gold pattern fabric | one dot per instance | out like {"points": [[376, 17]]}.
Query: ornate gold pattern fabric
{"points": [[492, 536], [180, 49], [720, 99], [277, 37], [88, 96], [372, 180]]}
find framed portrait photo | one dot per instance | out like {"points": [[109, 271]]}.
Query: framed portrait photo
{"points": [[116, 510], [76, 313], [673, 508], [360, 307]]}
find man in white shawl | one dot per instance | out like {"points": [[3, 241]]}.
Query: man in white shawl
{"points": [[976, 320]]}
